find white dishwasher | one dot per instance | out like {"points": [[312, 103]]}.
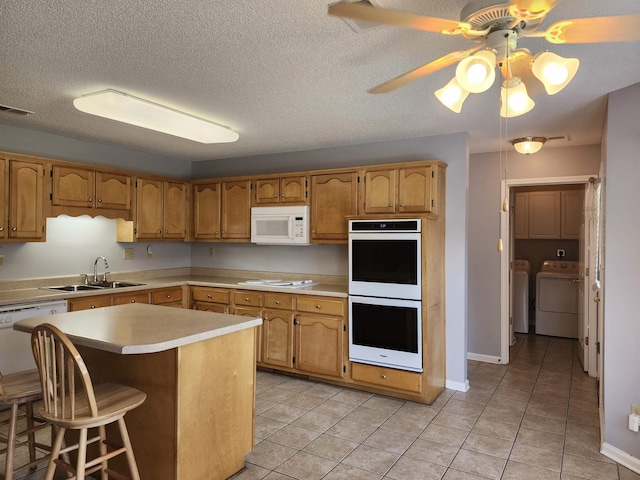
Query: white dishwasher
{"points": [[15, 347]]}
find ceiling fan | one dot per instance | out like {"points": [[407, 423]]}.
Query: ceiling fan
{"points": [[496, 26]]}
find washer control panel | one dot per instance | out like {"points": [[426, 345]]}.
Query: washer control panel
{"points": [[557, 266]]}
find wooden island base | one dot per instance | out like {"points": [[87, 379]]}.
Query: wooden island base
{"points": [[197, 421]]}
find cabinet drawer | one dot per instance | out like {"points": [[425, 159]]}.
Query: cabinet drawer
{"points": [[137, 297], [208, 294], [89, 302], [387, 378], [278, 300], [321, 305], [166, 295], [211, 307], [243, 297]]}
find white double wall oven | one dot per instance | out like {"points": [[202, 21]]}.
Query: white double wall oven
{"points": [[385, 293]]}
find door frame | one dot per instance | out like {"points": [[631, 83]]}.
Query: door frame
{"points": [[505, 258]]}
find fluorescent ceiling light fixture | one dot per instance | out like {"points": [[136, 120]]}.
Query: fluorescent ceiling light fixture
{"points": [[554, 71], [452, 95], [515, 99], [477, 73], [126, 108]]}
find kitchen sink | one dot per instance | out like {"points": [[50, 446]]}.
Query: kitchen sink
{"points": [[73, 288], [93, 286]]}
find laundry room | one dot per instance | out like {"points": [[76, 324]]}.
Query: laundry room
{"points": [[547, 226]]}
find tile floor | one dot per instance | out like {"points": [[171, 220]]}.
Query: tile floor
{"points": [[536, 418]]}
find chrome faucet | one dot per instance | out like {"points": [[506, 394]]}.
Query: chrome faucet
{"points": [[95, 270]]}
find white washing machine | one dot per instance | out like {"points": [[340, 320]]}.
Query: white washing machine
{"points": [[557, 299], [520, 295]]}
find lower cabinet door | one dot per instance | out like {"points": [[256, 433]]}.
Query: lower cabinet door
{"points": [[277, 338], [319, 344], [253, 312]]}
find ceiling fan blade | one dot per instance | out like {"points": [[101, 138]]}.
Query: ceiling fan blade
{"points": [[623, 28], [423, 71], [364, 11], [531, 9]]}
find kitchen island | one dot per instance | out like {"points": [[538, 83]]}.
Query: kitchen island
{"points": [[198, 371]]}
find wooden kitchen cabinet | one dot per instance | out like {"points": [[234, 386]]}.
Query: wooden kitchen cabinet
{"points": [[253, 313], [334, 196], [86, 303], [161, 212], [320, 344], [211, 299], [26, 198], [235, 223], [401, 190], [281, 190], [88, 188], [277, 338], [206, 211], [168, 297], [131, 297]]}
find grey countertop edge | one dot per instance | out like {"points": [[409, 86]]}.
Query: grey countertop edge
{"points": [[29, 295]]}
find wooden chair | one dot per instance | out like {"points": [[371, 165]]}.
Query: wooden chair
{"points": [[16, 390], [72, 402]]}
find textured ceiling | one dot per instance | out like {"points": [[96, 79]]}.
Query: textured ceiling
{"points": [[282, 73]]}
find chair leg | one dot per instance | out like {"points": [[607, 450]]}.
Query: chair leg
{"points": [[124, 434], [55, 453], [31, 436], [11, 442], [82, 454], [103, 451]]}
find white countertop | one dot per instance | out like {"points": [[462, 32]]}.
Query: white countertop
{"points": [[140, 328]]}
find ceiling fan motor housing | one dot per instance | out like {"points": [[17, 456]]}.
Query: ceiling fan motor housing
{"points": [[495, 15]]}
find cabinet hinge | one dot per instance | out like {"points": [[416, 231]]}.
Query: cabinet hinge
{"points": [[597, 347], [344, 369], [293, 360], [344, 328], [586, 272], [51, 196], [586, 341], [136, 183], [432, 203], [50, 173], [433, 174]]}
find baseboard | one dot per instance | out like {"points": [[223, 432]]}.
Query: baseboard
{"points": [[623, 458], [458, 386], [478, 357]]}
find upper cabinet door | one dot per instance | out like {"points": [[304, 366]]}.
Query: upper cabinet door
{"points": [[544, 214], [113, 191], [175, 208], [572, 205], [25, 200], [267, 191], [521, 216], [293, 189], [206, 211], [236, 210], [414, 189], [5, 200], [334, 196], [149, 206], [380, 191], [73, 187]]}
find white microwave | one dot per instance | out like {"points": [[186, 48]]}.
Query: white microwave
{"points": [[286, 225]]}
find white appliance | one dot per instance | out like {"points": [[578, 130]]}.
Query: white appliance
{"points": [[520, 295], [385, 293], [286, 225], [557, 299], [15, 347]]}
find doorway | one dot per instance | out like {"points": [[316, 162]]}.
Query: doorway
{"points": [[581, 247]]}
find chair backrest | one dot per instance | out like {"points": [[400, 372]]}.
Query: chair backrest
{"points": [[65, 380]]}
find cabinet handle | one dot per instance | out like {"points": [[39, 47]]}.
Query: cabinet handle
{"points": [[282, 195], [159, 232], [14, 229], [318, 307], [275, 195], [1, 229], [383, 377], [168, 296], [296, 322], [93, 306], [90, 200], [133, 301], [391, 204], [246, 299], [100, 200], [166, 231], [402, 204], [209, 296], [277, 302]]}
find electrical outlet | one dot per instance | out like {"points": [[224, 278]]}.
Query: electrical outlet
{"points": [[560, 253], [128, 253], [1, 259], [211, 252], [635, 409]]}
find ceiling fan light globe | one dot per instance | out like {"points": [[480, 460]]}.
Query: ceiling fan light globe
{"points": [[515, 100], [452, 95], [528, 145], [554, 71], [477, 72]]}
